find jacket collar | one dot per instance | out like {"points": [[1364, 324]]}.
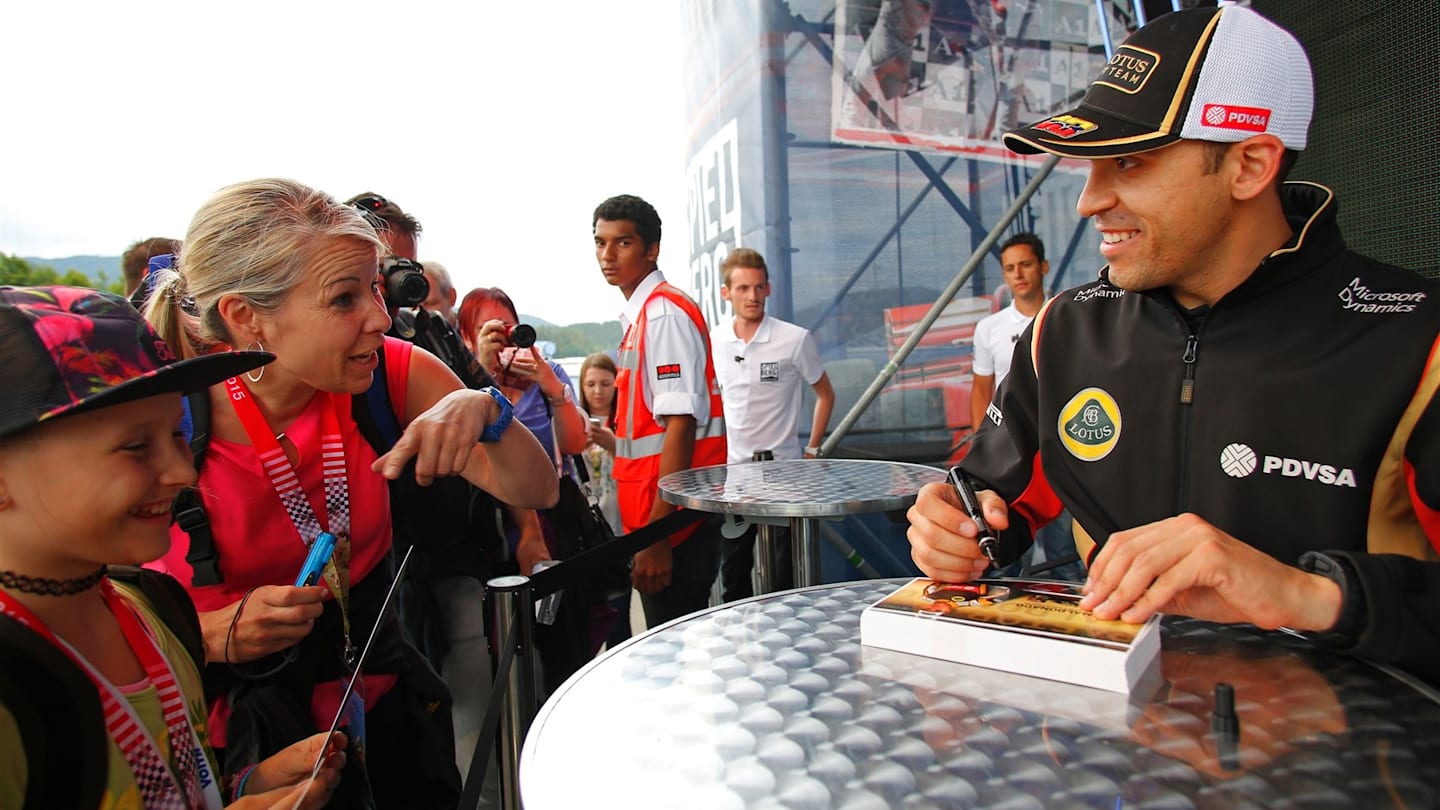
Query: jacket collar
{"points": [[1315, 239]]}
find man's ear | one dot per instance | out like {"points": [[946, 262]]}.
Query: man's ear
{"points": [[242, 320], [452, 297], [652, 253], [1254, 162], [724, 292]]}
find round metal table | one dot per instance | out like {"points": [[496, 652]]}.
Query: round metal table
{"points": [[772, 702], [799, 490]]}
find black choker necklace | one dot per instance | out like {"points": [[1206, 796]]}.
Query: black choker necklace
{"points": [[49, 587]]}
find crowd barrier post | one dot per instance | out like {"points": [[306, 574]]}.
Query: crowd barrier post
{"points": [[513, 599]]}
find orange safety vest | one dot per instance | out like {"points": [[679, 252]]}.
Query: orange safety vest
{"points": [[639, 438]]}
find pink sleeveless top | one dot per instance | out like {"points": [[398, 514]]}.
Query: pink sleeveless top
{"points": [[254, 539]]}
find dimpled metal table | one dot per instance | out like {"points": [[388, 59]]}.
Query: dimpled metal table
{"points": [[800, 490], [773, 703]]}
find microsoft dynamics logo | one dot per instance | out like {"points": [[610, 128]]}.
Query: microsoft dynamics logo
{"points": [[1238, 460]]}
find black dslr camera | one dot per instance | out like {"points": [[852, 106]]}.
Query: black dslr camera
{"points": [[405, 283]]}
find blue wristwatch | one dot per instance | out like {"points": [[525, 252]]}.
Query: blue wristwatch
{"points": [[494, 430]]}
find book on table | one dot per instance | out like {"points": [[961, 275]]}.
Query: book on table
{"points": [[1030, 627]]}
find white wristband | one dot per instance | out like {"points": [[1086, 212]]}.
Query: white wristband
{"points": [[814, 451]]}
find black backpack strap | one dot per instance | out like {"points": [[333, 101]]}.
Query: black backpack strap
{"points": [[188, 511], [374, 414], [57, 711], [171, 604]]}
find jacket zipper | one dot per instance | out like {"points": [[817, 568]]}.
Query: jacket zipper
{"points": [[1187, 398], [1187, 388]]}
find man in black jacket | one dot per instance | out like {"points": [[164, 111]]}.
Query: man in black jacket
{"points": [[1197, 407]]}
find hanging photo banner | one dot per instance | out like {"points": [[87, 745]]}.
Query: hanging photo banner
{"points": [[954, 75]]}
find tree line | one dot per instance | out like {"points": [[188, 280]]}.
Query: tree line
{"points": [[575, 340], [17, 272], [580, 339]]}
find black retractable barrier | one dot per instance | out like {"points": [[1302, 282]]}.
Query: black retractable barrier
{"points": [[513, 695]]}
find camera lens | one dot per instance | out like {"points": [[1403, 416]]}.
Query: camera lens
{"points": [[413, 289], [405, 283], [522, 335]]}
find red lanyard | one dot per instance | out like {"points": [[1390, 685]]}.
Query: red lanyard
{"points": [[297, 504], [160, 786], [282, 473]]}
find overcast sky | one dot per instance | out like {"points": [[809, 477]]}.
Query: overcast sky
{"points": [[499, 125]]}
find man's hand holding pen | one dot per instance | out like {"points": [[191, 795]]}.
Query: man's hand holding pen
{"points": [[983, 534], [945, 537]]}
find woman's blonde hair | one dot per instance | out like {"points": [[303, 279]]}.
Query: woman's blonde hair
{"points": [[252, 239]]}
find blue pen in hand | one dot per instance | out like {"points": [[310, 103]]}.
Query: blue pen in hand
{"points": [[320, 552], [986, 535]]}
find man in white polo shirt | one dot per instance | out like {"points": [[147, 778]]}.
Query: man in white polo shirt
{"points": [[761, 363], [1022, 261]]}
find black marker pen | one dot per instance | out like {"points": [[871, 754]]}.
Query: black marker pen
{"points": [[986, 535]]}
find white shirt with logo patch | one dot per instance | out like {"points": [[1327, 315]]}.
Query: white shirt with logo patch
{"points": [[995, 339], [673, 343], [761, 384]]}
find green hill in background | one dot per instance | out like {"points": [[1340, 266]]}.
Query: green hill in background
{"points": [[100, 272], [22, 272], [578, 339], [103, 272]]}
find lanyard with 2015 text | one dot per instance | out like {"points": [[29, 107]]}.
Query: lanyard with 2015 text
{"points": [[190, 783], [297, 504]]}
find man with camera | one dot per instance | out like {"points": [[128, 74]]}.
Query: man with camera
{"points": [[406, 288], [450, 523]]}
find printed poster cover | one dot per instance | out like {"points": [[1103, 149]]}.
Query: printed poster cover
{"points": [[1035, 607]]}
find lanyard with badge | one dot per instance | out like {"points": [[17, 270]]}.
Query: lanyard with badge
{"points": [[286, 481], [186, 782]]}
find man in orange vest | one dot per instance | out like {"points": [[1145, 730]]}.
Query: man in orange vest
{"points": [[668, 415]]}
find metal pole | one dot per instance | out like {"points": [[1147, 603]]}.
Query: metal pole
{"points": [[849, 553], [916, 334], [763, 549], [804, 552], [776, 161], [764, 558], [512, 592], [1104, 28]]}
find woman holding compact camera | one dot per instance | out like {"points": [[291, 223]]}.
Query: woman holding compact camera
{"points": [[540, 389]]}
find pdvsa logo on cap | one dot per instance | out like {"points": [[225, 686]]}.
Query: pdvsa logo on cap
{"points": [[1227, 116], [1089, 424], [1066, 126], [1129, 69]]}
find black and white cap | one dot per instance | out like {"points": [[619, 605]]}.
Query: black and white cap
{"points": [[1217, 74]]}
